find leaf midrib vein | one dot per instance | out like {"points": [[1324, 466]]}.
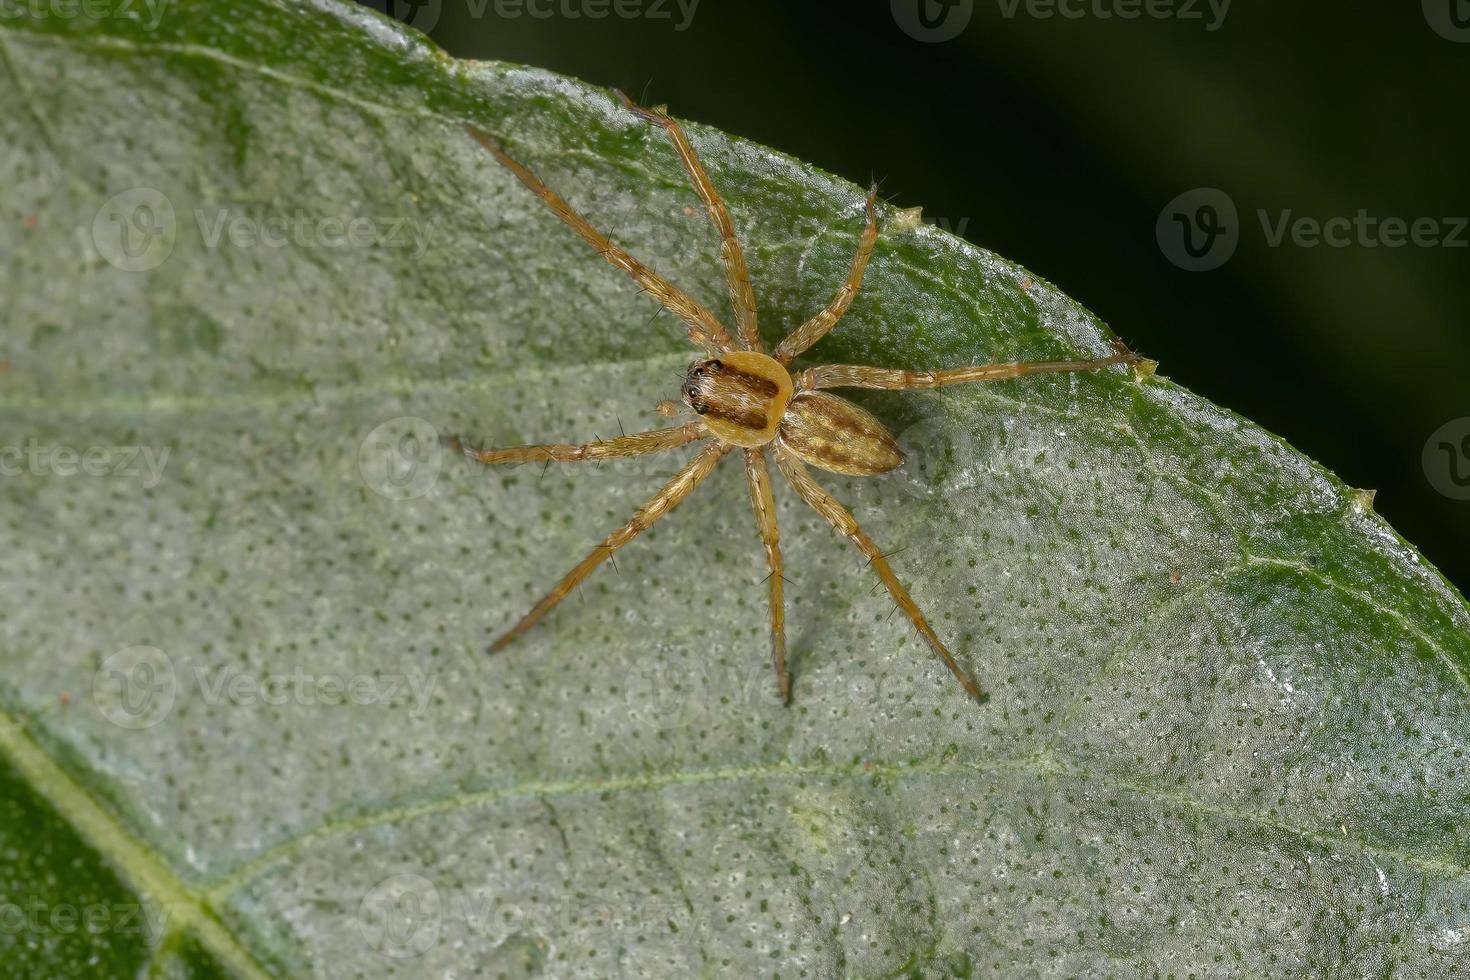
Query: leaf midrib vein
{"points": [[132, 858], [1047, 764]]}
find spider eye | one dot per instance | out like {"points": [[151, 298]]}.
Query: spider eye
{"points": [[701, 408], [716, 366]]}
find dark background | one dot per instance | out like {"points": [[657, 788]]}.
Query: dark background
{"points": [[1058, 142]]}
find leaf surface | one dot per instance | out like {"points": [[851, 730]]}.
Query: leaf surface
{"points": [[254, 269]]}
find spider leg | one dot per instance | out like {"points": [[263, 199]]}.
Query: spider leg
{"points": [[672, 493], [732, 257], [842, 520], [638, 444], [704, 330], [816, 328], [859, 376], [759, 479]]}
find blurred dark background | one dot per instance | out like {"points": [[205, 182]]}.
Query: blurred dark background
{"points": [[1062, 134]]}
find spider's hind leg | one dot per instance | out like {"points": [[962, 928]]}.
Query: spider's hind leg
{"points": [[759, 480], [892, 379], [817, 327], [845, 524]]}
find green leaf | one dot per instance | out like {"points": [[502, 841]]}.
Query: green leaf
{"points": [[245, 687]]}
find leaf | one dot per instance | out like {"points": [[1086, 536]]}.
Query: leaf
{"points": [[246, 696]]}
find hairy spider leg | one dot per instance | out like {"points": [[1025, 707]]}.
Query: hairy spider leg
{"points": [[732, 256], [705, 330], [816, 328], [669, 497], [638, 444], [845, 524], [759, 479], [861, 376]]}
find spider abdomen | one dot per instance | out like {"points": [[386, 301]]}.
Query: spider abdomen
{"points": [[834, 434]]}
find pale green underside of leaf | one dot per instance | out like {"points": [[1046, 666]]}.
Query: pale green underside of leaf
{"points": [[1228, 727]]}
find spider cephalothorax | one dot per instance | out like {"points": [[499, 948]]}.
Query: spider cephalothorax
{"points": [[741, 395], [744, 398]]}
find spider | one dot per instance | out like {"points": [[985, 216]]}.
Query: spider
{"points": [[746, 399]]}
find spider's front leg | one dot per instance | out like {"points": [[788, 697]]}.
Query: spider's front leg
{"points": [[704, 329], [672, 494], [638, 444], [732, 257]]}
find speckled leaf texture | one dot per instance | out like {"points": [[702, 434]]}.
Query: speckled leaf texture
{"points": [[253, 270]]}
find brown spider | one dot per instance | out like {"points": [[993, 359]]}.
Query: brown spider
{"points": [[747, 399]]}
